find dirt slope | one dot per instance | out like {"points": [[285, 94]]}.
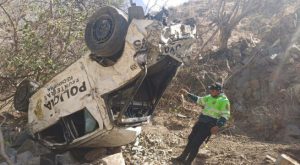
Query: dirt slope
{"points": [[166, 138], [262, 80]]}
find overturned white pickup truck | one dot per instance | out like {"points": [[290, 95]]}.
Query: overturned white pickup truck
{"points": [[96, 100]]}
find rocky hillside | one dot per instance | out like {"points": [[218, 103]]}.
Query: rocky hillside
{"points": [[260, 72]]}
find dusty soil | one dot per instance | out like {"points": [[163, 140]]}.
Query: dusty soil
{"points": [[167, 136]]}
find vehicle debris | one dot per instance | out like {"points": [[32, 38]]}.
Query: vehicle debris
{"points": [[97, 100]]}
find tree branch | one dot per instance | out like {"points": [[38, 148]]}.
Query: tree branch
{"points": [[248, 7], [219, 9], [15, 37], [6, 98], [235, 10], [210, 38], [15, 77], [67, 39], [155, 3], [147, 6]]}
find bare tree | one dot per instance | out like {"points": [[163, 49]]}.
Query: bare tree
{"points": [[228, 14]]}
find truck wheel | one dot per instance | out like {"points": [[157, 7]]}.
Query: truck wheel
{"points": [[24, 91], [105, 32]]}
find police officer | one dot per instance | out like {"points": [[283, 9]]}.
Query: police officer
{"points": [[215, 113]]}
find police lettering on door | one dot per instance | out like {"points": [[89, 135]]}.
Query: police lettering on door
{"points": [[63, 91]]}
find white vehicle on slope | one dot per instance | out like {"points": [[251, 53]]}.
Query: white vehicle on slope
{"points": [[96, 100]]}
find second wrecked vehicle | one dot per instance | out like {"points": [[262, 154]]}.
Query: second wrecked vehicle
{"points": [[99, 99]]}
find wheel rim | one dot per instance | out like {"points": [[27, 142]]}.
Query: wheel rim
{"points": [[102, 30]]}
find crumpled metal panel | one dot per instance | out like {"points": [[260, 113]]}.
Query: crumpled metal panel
{"points": [[177, 39], [83, 84]]}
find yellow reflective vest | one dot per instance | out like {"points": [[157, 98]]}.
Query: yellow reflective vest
{"points": [[215, 107]]}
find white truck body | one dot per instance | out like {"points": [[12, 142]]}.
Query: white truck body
{"points": [[90, 105]]}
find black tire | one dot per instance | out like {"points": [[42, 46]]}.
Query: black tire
{"points": [[24, 91], [106, 31]]}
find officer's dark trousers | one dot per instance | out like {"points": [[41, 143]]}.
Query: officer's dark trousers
{"points": [[199, 134]]}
